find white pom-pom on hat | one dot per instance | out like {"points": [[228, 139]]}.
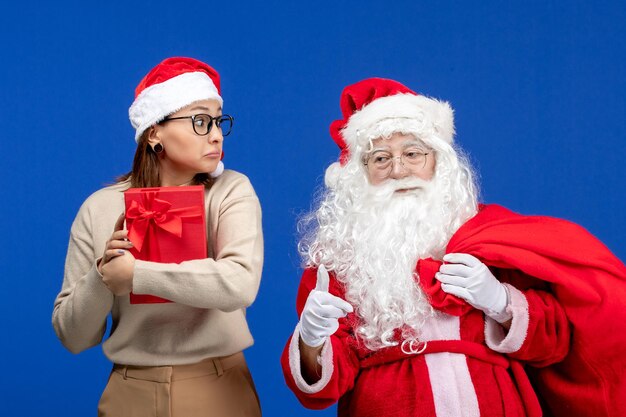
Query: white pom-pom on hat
{"points": [[332, 174], [219, 170]]}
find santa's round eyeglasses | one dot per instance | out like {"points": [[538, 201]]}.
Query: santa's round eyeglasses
{"points": [[380, 163]]}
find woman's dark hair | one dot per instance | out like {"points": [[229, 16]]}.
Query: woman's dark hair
{"points": [[145, 171]]}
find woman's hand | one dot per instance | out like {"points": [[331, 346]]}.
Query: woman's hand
{"points": [[117, 264]]}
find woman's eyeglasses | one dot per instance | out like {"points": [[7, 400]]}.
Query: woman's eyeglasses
{"points": [[202, 123]]}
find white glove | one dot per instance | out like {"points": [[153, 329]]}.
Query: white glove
{"points": [[468, 278], [322, 311]]}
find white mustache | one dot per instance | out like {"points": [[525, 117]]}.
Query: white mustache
{"points": [[407, 183], [387, 190]]}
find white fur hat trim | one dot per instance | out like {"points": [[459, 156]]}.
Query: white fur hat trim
{"points": [[404, 113], [160, 100]]}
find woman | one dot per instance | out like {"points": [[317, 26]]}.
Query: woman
{"points": [[182, 358]]}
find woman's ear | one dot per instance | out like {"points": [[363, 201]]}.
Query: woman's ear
{"points": [[154, 135]]}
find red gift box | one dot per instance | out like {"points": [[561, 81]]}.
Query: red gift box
{"points": [[165, 224]]}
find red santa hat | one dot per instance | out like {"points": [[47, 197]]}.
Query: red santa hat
{"points": [[173, 84], [379, 107]]}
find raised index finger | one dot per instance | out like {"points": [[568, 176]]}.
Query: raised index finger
{"points": [[322, 279]]}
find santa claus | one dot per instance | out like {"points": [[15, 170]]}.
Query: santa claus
{"points": [[417, 300]]}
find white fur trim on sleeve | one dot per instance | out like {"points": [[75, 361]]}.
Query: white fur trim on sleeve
{"points": [[294, 364], [511, 341]]}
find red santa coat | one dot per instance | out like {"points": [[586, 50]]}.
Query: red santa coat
{"points": [[389, 382]]}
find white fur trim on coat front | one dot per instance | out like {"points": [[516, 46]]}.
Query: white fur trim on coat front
{"points": [[294, 364], [508, 342], [405, 113], [453, 391], [160, 100]]}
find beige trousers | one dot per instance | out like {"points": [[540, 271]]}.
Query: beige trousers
{"points": [[215, 387]]}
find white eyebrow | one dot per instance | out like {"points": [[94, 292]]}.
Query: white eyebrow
{"points": [[413, 142], [381, 149], [406, 144]]}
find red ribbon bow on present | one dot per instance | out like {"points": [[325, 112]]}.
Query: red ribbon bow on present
{"points": [[157, 212]]}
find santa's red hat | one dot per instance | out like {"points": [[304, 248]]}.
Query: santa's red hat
{"points": [[379, 107], [173, 84]]}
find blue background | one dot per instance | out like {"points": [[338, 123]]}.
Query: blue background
{"points": [[538, 89]]}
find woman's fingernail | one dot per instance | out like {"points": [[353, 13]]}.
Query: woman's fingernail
{"points": [[121, 251]]}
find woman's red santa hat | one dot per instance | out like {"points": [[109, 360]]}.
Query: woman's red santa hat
{"points": [[379, 107], [173, 84]]}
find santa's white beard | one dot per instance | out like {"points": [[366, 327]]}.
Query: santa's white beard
{"points": [[373, 243], [388, 238]]}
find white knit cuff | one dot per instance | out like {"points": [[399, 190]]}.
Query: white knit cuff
{"points": [[325, 360], [95, 279], [496, 336]]}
